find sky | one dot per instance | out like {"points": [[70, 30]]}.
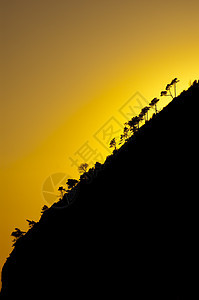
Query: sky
{"points": [[70, 71]]}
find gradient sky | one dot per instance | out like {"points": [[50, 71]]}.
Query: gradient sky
{"points": [[66, 68]]}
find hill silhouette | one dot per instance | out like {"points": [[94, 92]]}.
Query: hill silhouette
{"points": [[130, 228]]}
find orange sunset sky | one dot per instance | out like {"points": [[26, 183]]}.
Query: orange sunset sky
{"points": [[67, 69]]}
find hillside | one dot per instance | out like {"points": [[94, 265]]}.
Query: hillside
{"points": [[131, 227]]}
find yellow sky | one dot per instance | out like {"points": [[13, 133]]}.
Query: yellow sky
{"points": [[67, 67]]}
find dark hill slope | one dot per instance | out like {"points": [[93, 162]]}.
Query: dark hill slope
{"points": [[130, 230]]}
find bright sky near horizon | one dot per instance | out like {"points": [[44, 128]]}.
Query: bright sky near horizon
{"points": [[67, 69]]}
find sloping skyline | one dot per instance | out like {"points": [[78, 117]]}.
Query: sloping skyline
{"points": [[69, 66]]}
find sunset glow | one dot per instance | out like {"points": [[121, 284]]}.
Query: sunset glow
{"points": [[67, 68]]}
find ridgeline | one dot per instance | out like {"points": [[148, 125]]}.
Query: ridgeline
{"points": [[128, 228]]}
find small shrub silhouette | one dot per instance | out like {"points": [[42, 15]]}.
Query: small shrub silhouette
{"points": [[83, 168], [71, 183], [113, 143], [31, 223], [44, 208], [61, 190], [17, 234]]}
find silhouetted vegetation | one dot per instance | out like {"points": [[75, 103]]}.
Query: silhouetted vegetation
{"points": [[31, 224], [17, 234], [62, 190], [44, 208], [133, 225], [153, 103], [113, 143], [133, 125], [71, 183], [167, 91], [174, 83], [144, 113], [125, 135], [83, 168]]}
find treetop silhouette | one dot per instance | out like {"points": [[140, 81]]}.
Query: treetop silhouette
{"points": [[61, 189], [71, 183], [167, 91], [17, 234], [31, 223], [44, 208], [113, 143], [83, 168], [153, 103]]}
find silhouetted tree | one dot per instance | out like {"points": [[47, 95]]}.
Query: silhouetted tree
{"points": [[113, 143], [144, 112], [83, 168], [125, 132], [17, 234], [31, 223], [71, 183], [173, 83], [97, 168], [98, 165], [147, 109], [134, 124], [61, 190], [121, 139], [164, 93], [153, 103], [137, 121], [124, 136], [141, 117], [195, 82], [168, 89], [44, 208]]}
